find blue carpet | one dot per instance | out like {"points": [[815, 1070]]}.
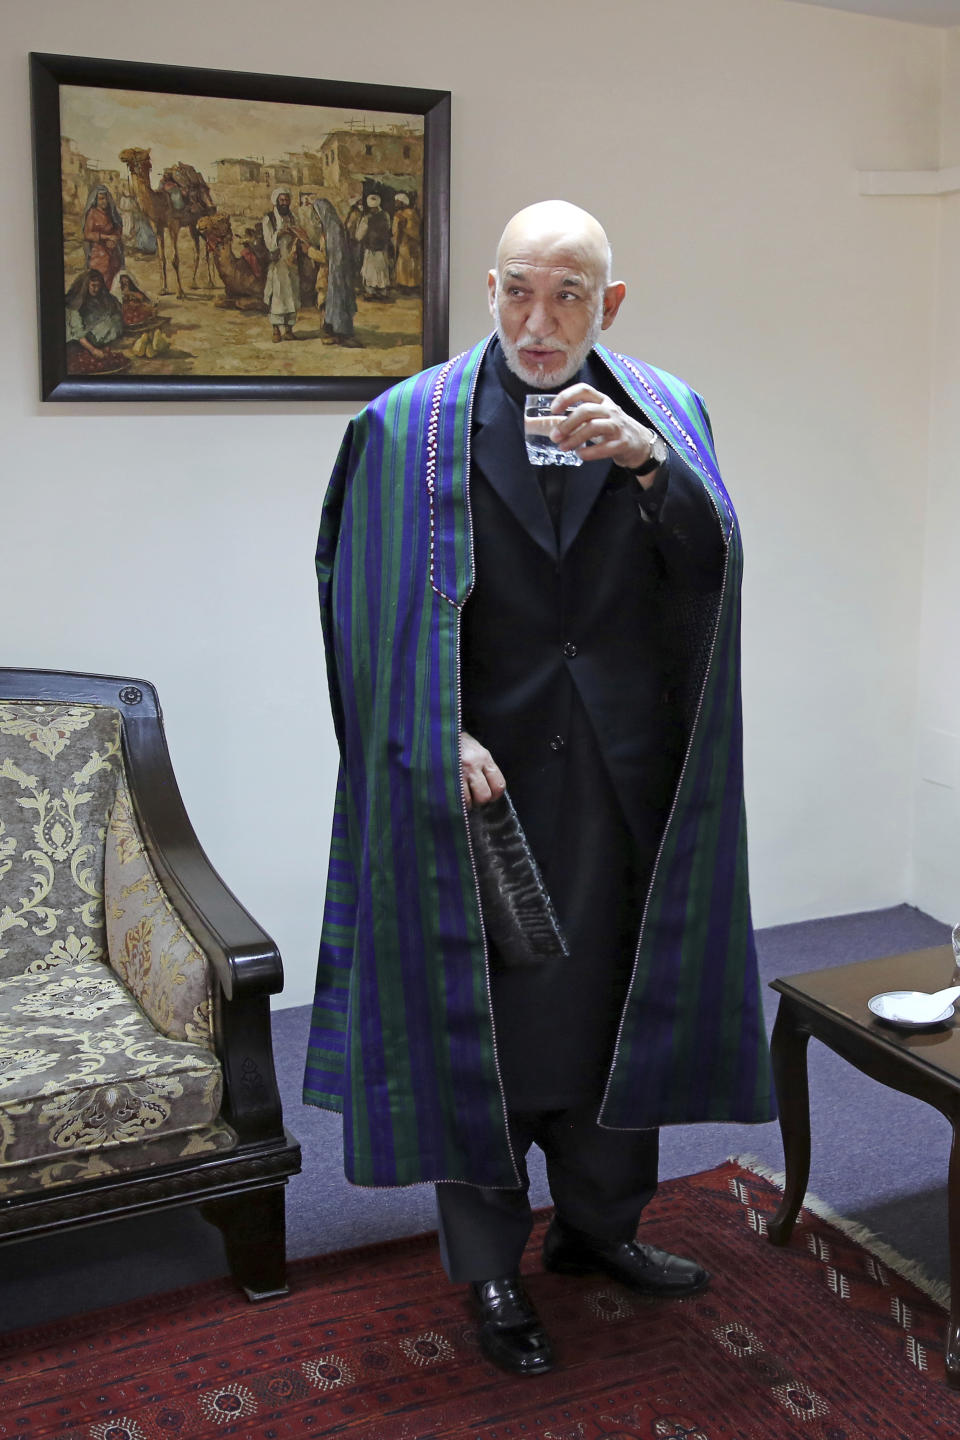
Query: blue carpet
{"points": [[878, 1157]]}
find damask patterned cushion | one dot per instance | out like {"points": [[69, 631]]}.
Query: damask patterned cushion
{"points": [[82, 1068], [58, 774], [95, 1164], [148, 946]]}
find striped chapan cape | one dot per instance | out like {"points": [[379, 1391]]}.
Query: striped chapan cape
{"points": [[402, 1039]]}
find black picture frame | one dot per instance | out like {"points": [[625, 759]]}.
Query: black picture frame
{"points": [[49, 72]]}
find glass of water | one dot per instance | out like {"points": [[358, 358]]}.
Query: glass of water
{"points": [[537, 424]]}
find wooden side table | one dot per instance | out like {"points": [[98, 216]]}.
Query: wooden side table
{"points": [[832, 1005]]}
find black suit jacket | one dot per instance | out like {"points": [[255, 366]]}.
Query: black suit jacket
{"points": [[579, 616]]}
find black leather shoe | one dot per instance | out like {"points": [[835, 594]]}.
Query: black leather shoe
{"points": [[641, 1267], [511, 1334]]}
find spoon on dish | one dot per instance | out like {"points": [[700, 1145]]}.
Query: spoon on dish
{"points": [[920, 1008]]}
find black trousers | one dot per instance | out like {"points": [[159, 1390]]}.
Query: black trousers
{"points": [[600, 1181]]}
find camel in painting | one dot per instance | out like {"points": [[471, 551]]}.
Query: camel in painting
{"points": [[242, 275], [167, 219]]}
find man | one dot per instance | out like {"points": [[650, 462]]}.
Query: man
{"points": [[406, 245], [285, 242], [576, 641], [373, 234], [351, 225]]}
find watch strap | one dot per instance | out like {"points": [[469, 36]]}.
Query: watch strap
{"points": [[658, 453]]}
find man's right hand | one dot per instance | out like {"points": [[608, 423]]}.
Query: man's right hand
{"points": [[480, 776]]}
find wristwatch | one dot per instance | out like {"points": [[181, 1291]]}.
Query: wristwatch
{"points": [[658, 453]]}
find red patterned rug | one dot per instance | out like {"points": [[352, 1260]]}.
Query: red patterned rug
{"points": [[822, 1340]]}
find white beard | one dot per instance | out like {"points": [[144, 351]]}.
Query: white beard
{"points": [[537, 375]]}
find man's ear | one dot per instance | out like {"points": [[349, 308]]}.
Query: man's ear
{"points": [[492, 291], [613, 297]]}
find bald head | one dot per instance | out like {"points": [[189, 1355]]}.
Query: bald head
{"points": [[553, 228], [551, 292]]}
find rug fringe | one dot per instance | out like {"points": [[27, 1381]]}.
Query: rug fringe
{"points": [[912, 1270]]}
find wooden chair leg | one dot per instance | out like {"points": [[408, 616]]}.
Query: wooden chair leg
{"points": [[253, 1225]]}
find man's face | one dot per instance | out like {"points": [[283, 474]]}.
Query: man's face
{"points": [[549, 306], [95, 283], [283, 204]]}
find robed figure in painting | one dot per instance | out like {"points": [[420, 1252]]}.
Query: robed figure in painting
{"points": [[138, 309], [286, 243], [406, 244], [102, 230], [94, 321], [373, 235], [336, 280], [571, 633]]}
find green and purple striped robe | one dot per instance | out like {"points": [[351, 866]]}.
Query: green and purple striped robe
{"points": [[402, 1039]]}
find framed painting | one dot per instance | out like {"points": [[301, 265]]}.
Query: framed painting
{"points": [[211, 235]]}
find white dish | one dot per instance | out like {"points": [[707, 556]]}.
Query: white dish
{"points": [[894, 1006]]}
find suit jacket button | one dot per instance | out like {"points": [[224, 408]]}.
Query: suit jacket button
{"points": [[556, 743], [569, 649]]}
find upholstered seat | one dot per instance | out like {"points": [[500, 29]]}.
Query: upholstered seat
{"points": [[135, 1063], [82, 1069]]}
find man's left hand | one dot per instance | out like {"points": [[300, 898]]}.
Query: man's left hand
{"points": [[599, 422]]}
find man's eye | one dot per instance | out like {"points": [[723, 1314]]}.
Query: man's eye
{"points": [[569, 295]]}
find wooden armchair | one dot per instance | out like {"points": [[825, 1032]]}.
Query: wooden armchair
{"points": [[136, 1068]]}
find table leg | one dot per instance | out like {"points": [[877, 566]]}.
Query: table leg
{"points": [[951, 1354], [788, 1052]]}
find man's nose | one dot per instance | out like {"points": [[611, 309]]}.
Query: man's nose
{"points": [[541, 320]]}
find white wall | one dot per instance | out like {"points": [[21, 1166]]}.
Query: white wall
{"points": [[719, 144], [936, 884]]}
